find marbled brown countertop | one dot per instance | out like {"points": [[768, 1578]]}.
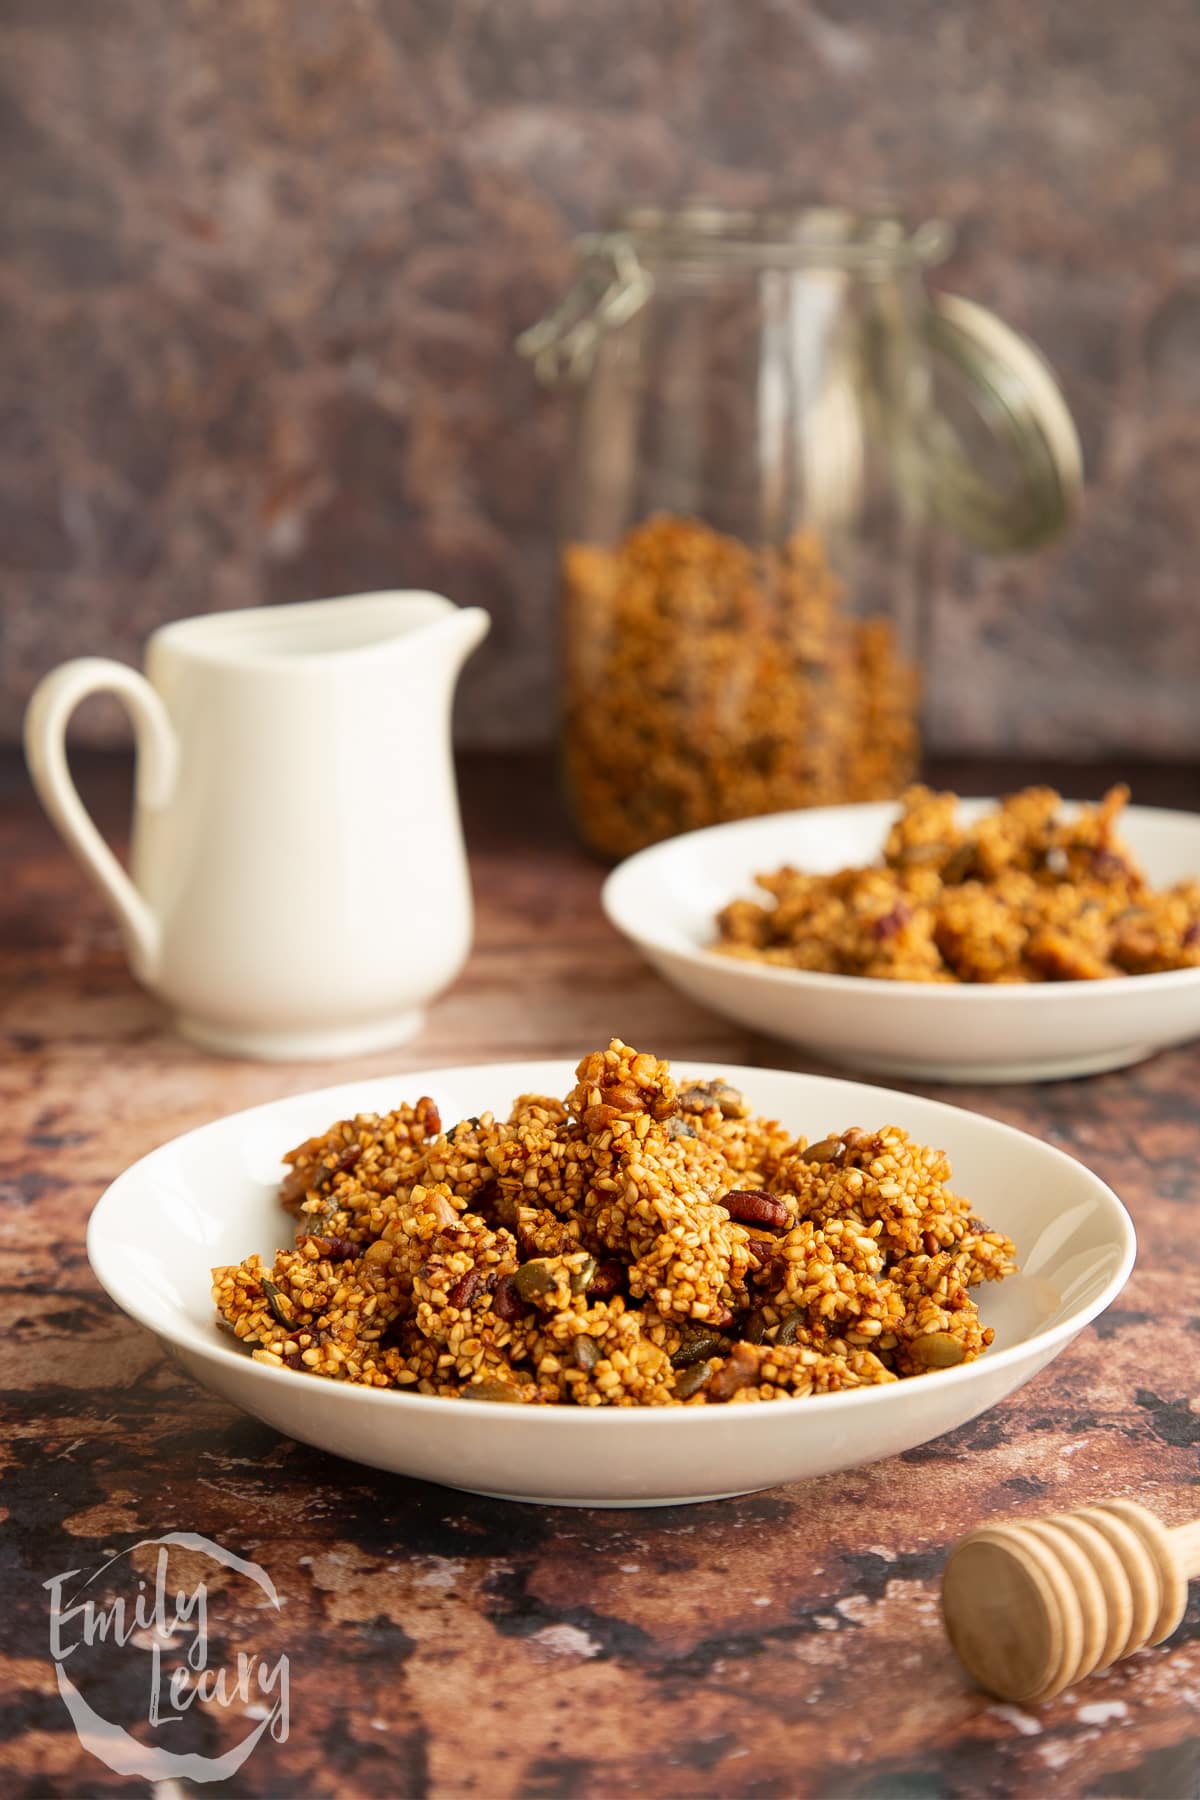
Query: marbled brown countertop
{"points": [[442, 1645]]}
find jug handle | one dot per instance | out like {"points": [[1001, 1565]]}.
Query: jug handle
{"points": [[54, 700]]}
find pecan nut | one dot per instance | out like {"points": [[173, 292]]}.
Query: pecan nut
{"points": [[465, 1290], [754, 1206]]}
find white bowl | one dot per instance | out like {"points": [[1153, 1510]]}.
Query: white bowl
{"points": [[211, 1197], [665, 900]]}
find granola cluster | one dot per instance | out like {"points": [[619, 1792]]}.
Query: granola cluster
{"points": [[707, 680], [1022, 895], [639, 1243]]}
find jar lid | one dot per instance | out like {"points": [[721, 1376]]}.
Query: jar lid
{"points": [[831, 237], [997, 459], [1003, 462]]}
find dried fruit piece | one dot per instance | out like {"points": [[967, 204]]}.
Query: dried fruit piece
{"points": [[330, 1249], [507, 1303], [891, 923], [740, 1370], [609, 1279]]}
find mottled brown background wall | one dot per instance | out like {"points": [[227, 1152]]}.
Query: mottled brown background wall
{"points": [[263, 260]]}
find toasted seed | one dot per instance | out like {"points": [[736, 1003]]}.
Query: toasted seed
{"points": [[242, 1343], [587, 1352], [695, 1349], [789, 1327], [753, 1327], [692, 1380], [533, 1279], [584, 1276], [938, 1350]]}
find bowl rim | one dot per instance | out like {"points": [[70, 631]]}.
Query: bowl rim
{"points": [[106, 1267], [648, 937]]}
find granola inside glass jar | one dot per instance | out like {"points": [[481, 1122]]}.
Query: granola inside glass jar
{"points": [[773, 411]]}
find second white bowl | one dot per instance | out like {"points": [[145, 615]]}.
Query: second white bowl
{"points": [[665, 900]]}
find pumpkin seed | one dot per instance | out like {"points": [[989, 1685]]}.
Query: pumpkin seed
{"points": [[584, 1276], [788, 1329], [277, 1312], [692, 1380], [493, 1390], [960, 866], [938, 1350], [829, 1150], [679, 1127], [533, 1279], [695, 1349]]}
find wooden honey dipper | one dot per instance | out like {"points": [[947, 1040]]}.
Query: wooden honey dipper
{"points": [[1032, 1606]]}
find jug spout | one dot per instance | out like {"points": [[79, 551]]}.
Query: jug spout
{"points": [[436, 656], [463, 630]]}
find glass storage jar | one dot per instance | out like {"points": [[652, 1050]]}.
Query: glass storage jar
{"points": [[773, 411]]}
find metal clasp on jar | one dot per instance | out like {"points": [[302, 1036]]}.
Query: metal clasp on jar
{"points": [[611, 287]]}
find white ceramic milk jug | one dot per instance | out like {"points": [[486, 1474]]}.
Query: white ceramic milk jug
{"points": [[299, 886]]}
